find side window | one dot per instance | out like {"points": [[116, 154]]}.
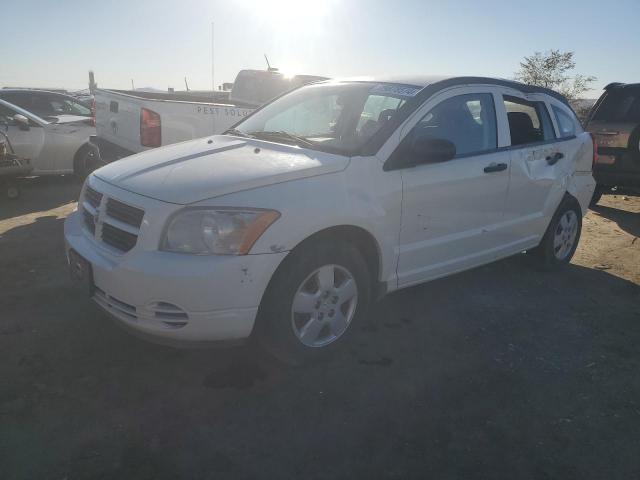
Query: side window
{"points": [[528, 121], [566, 124], [17, 98], [6, 115], [468, 121]]}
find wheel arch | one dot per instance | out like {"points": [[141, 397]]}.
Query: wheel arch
{"points": [[357, 236], [76, 157], [580, 188]]}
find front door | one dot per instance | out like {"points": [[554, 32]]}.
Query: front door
{"points": [[451, 210], [27, 142]]}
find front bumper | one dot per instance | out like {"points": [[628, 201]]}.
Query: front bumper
{"points": [[176, 298]]}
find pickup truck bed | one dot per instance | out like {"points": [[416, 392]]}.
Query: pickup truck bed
{"points": [[120, 120]]}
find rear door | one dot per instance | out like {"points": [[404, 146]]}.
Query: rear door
{"points": [[452, 211], [538, 169]]}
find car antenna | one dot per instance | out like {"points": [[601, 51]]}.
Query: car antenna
{"points": [[269, 67]]}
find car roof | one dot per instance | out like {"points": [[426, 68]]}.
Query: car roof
{"points": [[621, 85], [33, 90], [444, 81]]}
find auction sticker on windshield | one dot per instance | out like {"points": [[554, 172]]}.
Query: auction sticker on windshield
{"points": [[395, 90]]}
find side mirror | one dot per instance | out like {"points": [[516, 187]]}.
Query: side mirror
{"points": [[21, 121], [427, 149]]}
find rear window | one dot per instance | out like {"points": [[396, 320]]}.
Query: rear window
{"points": [[566, 124], [620, 105]]}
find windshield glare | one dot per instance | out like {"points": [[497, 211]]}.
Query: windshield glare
{"points": [[334, 117]]}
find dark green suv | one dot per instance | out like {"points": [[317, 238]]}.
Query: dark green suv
{"points": [[614, 123]]}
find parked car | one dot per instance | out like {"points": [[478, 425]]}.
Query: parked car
{"points": [[291, 223], [614, 122], [46, 104], [131, 121], [58, 144]]}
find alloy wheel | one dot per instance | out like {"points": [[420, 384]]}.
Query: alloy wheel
{"points": [[324, 305]]}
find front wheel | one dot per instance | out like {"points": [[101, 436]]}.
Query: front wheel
{"points": [[562, 236], [12, 191], [86, 161], [315, 300]]}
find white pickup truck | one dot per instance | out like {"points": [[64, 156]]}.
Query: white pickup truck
{"points": [[131, 121]]}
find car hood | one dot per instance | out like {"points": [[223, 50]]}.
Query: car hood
{"points": [[205, 168], [66, 118]]}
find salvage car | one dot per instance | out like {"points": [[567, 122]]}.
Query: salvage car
{"points": [[289, 225], [614, 121], [56, 145], [45, 103]]}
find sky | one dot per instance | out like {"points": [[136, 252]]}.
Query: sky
{"points": [[158, 43]]}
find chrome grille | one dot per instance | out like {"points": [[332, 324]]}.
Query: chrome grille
{"points": [[89, 221], [92, 197], [125, 213], [117, 238], [113, 222]]}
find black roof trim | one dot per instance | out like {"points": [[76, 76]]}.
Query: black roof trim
{"points": [[431, 89], [621, 85], [522, 87]]}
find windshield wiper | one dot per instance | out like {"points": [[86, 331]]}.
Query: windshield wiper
{"points": [[285, 136], [237, 133]]}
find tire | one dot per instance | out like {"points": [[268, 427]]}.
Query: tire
{"points": [[562, 236], [86, 160], [597, 195], [303, 317], [634, 144], [12, 191]]}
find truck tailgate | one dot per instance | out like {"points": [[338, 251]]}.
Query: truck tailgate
{"points": [[118, 118]]}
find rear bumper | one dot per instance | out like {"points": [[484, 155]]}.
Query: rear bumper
{"points": [[108, 151], [581, 186], [616, 179]]}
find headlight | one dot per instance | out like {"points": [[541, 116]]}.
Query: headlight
{"points": [[219, 231]]}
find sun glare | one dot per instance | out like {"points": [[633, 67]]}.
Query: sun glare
{"points": [[289, 15]]}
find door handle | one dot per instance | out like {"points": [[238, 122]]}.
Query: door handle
{"points": [[553, 159], [495, 167]]}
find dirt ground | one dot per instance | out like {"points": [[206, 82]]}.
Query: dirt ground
{"points": [[500, 372]]}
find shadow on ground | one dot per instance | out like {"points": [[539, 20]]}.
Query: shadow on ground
{"points": [[627, 221], [501, 372], [41, 194]]}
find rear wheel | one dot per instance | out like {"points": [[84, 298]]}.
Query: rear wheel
{"points": [[314, 302], [562, 236]]}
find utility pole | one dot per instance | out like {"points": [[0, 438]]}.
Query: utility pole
{"points": [[213, 82], [92, 82], [186, 84], [132, 86]]}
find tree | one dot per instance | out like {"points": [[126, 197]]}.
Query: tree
{"points": [[552, 69]]}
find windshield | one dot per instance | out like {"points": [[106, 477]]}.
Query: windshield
{"points": [[335, 117]]}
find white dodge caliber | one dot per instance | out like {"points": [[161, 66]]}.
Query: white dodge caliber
{"points": [[287, 226]]}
